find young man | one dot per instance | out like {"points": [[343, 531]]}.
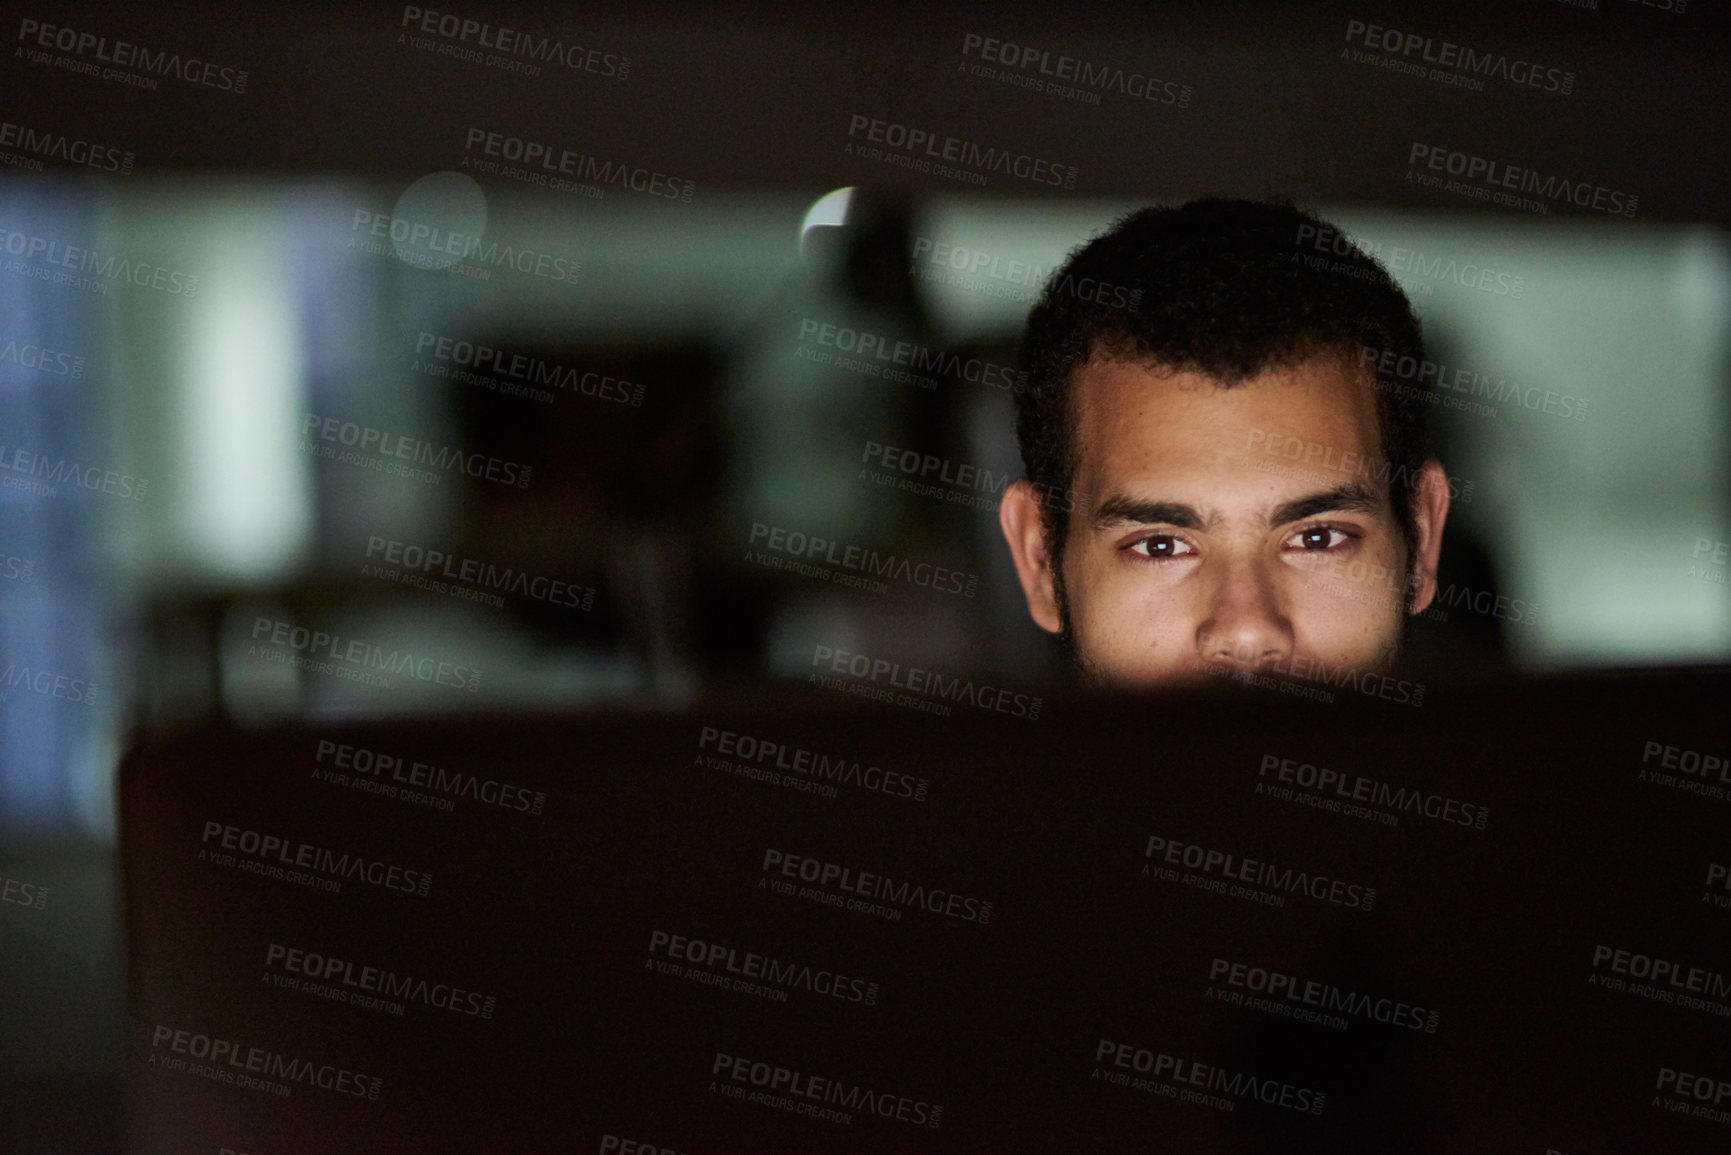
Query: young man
{"points": [[1217, 481]]}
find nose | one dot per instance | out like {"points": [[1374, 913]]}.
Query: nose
{"points": [[1243, 627]]}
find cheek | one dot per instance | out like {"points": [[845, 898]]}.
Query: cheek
{"points": [[1346, 625], [1363, 574], [1120, 608]]}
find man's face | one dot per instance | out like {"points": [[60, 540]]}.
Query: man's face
{"points": [[1221, 529]]}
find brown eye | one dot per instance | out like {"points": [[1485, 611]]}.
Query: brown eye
{"points": [[1161, 546], [1317, 539]]}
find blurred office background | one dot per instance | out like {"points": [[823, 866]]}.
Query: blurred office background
{"points": [[698, 310]]}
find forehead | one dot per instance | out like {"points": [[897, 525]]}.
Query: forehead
{"points": [[1137, 426]]}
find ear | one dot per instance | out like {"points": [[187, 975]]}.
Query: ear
{"points": [[1430, 510], [1019, 517]]}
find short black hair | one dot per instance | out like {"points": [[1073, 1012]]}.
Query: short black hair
{"points": [[1228, 289]]}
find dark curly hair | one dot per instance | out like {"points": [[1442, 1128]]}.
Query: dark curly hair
{"points": [[1226, 289]]}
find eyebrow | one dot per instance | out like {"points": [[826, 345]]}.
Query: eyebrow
{"points": [[1121, 510], [1352, 496]]}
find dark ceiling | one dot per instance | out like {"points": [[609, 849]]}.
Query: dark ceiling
{"points": [[763, 95]]}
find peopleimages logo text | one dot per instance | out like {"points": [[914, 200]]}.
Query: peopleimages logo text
{"points": [[362, 655], [950, 481], [866, 884], [1358, 788], [1392, 369], [1449, 55], [554, 161], [524, 369], [751, 965], [369, 981], [43, 360], [1189, 1073], [461, 31], [935, 147], [1327, 999], [863, 560], [1257, 872], [425, 244], [277, 852], [21, 893], [1494, 174], [1083, 74], [790, 1089], [1662, 972], [257, 1060], [839, 769], [412, 772], [107, 266], [58, 470], [474, 572], [1399, 259], [48, 683], [122, 54], [365, 438], [71, 150], [977, 263], [868, 672], [920, 357]]}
